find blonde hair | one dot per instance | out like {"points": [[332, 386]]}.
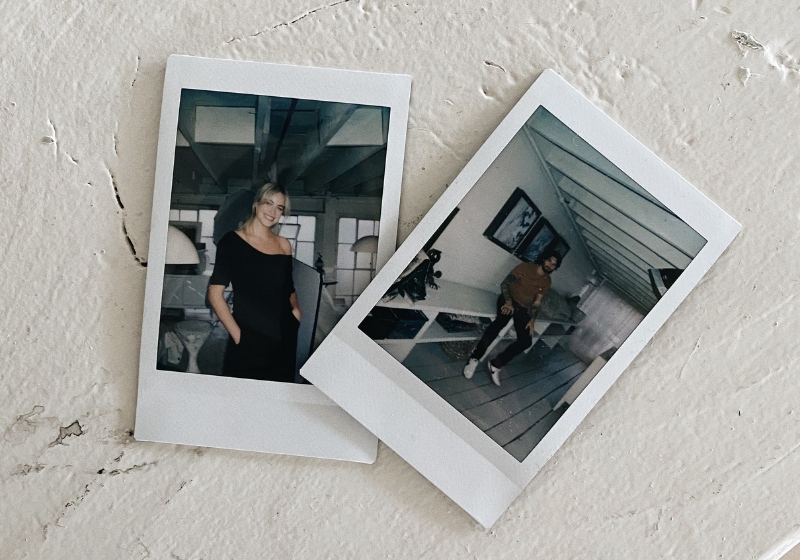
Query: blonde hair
{"points": [[265, 192]]}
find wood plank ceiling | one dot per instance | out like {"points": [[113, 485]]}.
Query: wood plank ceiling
{"points": [[624, 229]]}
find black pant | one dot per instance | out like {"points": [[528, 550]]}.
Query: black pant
{"points": [[524, 340]]}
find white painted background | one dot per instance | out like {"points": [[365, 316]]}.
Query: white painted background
{"points": [[692, 454]]}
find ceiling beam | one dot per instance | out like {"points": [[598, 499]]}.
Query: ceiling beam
{"points": [[186, 126], [585, 215], [282, 137], [621, 220], [200, 156], [194, 200], [332, 117], [620, 261], [660, 222], [638, 282], [370, 187], [345, 160], [549, 131], [372, 167], [636, 285], [616, 248], [261, 136], [590, 232], [614, 239]]}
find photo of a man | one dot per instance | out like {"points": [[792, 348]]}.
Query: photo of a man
{"points": [[520, 298], [571, 291]]}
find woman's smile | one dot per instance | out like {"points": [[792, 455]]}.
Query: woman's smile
{"points": [[269, 217]]}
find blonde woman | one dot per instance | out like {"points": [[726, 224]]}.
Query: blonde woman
{"points": [[257, 263]]}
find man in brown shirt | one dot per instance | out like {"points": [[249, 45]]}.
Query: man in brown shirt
{"points": [[521, 295]]}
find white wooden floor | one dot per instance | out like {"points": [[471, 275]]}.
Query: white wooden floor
{"points": [[517, 414]]}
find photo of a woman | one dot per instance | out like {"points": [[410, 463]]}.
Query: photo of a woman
{"points": [[257, 263]]}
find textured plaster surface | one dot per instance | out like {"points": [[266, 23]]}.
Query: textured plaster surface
{"points": [[694, 453]]}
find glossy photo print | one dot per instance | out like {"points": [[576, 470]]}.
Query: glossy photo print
{"points": [[510, 340], [276, 202], [491, 348], [275, 214]]}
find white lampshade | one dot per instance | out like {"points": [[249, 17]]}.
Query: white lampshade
{"points": [[180, 249], [367, 244]]}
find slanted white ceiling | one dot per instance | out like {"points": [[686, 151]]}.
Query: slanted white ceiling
{"points": [[624, 229]]}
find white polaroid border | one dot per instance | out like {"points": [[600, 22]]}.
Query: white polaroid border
{"points": [[245, 414], [436, 439]]}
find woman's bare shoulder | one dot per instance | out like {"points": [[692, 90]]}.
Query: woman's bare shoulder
{"points": [[286, 247]]}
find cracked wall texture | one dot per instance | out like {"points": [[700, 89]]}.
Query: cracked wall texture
{"points": [[692, 454]]}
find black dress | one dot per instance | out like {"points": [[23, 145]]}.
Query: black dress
{"points": [[261, 285]]}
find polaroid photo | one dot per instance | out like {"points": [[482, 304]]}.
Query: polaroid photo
{"points": [[524, 293], [276, 200]]}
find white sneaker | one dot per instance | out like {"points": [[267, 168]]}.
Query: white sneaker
{"points": [[469, 368], [495, 372]]}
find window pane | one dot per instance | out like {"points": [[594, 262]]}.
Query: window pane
{"points": [[377, 227], [360, 280], [345, 257], [365, 227], [307, 226], [174, 215], [345, 282], [289, 231], [305, 252], [347, 230], [188, 215], [289, 219], [364, 260], [207, 221]]}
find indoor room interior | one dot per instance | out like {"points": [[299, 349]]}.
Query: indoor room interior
{"points": [[329, 156], [621, 250]]}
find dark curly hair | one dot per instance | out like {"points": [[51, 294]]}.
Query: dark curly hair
{"points": [[547, 254]]}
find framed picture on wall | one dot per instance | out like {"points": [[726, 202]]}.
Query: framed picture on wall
{"points": [[512, 224], [537, 242]]}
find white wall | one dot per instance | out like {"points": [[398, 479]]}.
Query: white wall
{"points": [[470, 258]]}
